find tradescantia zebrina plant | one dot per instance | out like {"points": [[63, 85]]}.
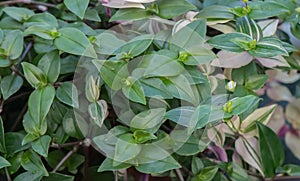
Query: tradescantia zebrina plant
{"points": [[149, 89]]}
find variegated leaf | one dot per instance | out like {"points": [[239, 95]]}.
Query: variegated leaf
{"points": [[248, 26]]}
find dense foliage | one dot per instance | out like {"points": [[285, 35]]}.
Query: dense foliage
{"points": [[134, 89]]}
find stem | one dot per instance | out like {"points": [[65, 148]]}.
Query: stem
{"points": [[283, 178], [125, 175], [54, 145], [146, 177], [254, 174], [187, 171], [178, 172], [7, 174], [16, 71], [68, 155], [86, 163], [27, 2], [26, 51], [1, 106], [116, 176]]}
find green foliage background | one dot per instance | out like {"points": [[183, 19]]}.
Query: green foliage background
{"points": [[133, 89]]}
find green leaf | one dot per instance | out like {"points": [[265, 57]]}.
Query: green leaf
{"points": [[241, 75], [4, 162], [73, 41], [125, 149], [10, 84], [166, 66], [60, 135], [112, 72], [154, 159], [180, 88], [68, 64], [9, 23], [84, 28], [216, 12], [13, 142], [4, 61], [186, 144], [58, 176], [32, 176], [107, 165], [170, 9], [45, 19], [292, 170], [2, 137], [130, 14], [13, 44], [54, 157], [227, 41], [262, 115], [75, 125], [67, 93], [1, 35], [112, 43], [190, 35], [263, 10], [98, 112], [295, 29], [78, 7], [35, 76], [181, 115], [154, 87], [39, 104], [107, 142], [207, 173], [197, 165], [255, 82], [196, 55], [33, 163], [15, 162], [195, 75], [200, 117], [43, 31], [92, 15], [269, 47], [50, 65], [43, 46], [41, 146], [30, 126], [141, 136], [271, 149], [248, 26], [74, 162], [149, 120], [134, 91], [241, 105], [30, 137], [236, 172], [135, 46], [17, 13]]}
